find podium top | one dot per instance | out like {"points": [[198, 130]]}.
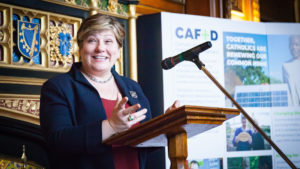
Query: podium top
{"points": [[190, 119]]}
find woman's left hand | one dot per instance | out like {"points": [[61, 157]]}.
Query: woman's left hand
{"points": [[175, 105]]}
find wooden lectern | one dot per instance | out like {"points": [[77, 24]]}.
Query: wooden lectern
{"points": [[173, 129]]}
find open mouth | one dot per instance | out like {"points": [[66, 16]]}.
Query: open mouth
{"points": [[100, 57]]}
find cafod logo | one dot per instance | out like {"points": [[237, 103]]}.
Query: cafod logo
{"points": [[196, 33]]}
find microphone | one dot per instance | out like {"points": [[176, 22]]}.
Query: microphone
{"points": [[189, 55]]}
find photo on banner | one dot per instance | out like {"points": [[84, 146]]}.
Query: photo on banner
{"points": [[242, 136], [246, 64], [212, 163]]}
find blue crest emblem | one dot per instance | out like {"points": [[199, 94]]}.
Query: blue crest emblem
{"points": [[64, 43], [28, 39]]}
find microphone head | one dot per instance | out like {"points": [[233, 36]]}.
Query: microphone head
{"points": [[167, 64], [202, 47], [208, 45], [189, 55]]}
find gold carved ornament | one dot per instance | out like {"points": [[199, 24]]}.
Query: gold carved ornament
{"points": [[56, 57]]}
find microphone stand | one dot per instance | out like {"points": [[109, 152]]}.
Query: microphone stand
{"points": [[201, 66]]}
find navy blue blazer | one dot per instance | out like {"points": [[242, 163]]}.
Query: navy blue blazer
{"points": [[71, 114]]}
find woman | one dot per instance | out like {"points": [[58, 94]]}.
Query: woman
{"points": [[242, 138], [91, 102]]}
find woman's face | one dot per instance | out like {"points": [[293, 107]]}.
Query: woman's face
{"points": [[99, 52]]}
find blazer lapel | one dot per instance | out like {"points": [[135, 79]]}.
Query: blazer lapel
{"points": [[125, 89]]}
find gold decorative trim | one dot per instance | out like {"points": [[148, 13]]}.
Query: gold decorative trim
{"points": [[7, 162], [69, 4], [20, 107], [48, 61], [132, 43], [119, 64], [21, 80], [111, 14], [93, 7], [36, 68], [114, 7], [45, 19], [56, 56], [6, 29]]}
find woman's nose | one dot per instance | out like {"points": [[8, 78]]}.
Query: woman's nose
{"points": [[100, 47]]}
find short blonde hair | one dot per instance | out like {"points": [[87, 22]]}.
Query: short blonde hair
{"points": [[98, 23]]}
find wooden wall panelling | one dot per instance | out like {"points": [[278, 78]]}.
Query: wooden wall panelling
{"points": [[197, 7], [156, 6], [212, 8], [278, 10], [297, 10]]}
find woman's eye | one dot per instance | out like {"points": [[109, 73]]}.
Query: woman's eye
{"points": [[108, 41], [91, 40]]}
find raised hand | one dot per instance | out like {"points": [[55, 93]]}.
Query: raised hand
{"points": [[175, 105], [123, 118]]}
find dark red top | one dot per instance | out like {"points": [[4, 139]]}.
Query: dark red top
{"points": [[124, 157]]}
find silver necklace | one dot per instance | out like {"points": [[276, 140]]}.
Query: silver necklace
{"points": [[97, 80]]}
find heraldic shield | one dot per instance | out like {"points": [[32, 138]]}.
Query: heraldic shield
{"points": [[28, 39]]}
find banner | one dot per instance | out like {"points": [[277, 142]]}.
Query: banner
{"points": [[258, 64]]}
